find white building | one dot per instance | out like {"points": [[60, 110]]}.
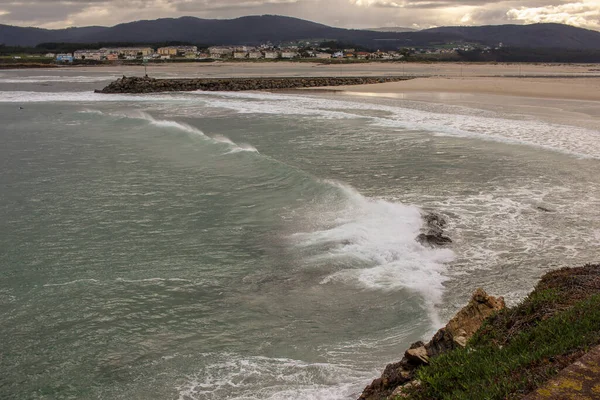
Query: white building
{"points": [[220, 52], [96, 55], [175, 51], [271, 55], [128, 51], [289, 54]]}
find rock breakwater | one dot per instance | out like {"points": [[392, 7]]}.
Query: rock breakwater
{"points": [[151, 85]]}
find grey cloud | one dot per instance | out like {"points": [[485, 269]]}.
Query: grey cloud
{"points": [[43, 12], [206, 5]]}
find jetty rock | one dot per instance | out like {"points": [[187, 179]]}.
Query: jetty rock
{"points": [[455, 334], [151, 85]]}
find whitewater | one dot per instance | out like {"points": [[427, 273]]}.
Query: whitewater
{"points": [[262, 245]]}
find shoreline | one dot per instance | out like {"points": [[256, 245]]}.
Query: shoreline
{"points": [[555, 100], [311, 68], [548, 87]]}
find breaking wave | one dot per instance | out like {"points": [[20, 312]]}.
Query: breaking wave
{"points": [[180, 126], [373, 242]]}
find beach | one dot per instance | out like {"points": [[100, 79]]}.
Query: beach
{"points": [[573, 101], [573, 88], [291, 68]]}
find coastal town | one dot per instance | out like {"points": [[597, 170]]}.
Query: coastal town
{"points": [[267, 52]]}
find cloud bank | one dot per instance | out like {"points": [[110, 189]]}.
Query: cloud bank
{"points": [[342, 13]]}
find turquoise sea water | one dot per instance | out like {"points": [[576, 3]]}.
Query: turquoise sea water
{"points": [[261, 245]]}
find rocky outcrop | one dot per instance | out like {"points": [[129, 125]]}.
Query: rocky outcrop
{"points": [[433, 234], [455, 334], [151, 85]]}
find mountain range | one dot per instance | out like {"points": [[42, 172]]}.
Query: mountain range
{"points": [[253, 30]]}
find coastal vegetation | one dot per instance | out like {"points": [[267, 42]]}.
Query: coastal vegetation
{"points": [[518, 349]]}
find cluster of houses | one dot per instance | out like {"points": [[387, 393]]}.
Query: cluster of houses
{"points": [[221, 52], [244, 52]]}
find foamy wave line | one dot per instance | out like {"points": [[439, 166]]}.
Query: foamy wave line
{"points": [[72, 282], [88, 111], [237, 377], [580, 142], [163, 123], [70, 79], [121, 280], [153, 280], [237, 147], [80, 97]]}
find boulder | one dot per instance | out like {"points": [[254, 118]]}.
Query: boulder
{"points": [[417, 356], [433, 234]]}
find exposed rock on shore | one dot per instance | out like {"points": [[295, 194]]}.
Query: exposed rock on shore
{"points": [[455, 334], [150, 85]]}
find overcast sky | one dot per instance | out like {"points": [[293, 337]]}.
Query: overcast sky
{"points": [[341, 13]]}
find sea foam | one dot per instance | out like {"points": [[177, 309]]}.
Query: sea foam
{"points": [[438, 120], [180, 126], [376, 240], [459, 122], [234, 376]]}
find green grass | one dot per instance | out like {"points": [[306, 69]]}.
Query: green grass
{"points": [[515, 351]]}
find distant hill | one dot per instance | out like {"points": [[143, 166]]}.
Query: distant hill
{"points": [[254, 30], [391, 29], [19, 36], [535, 35], [249, 30]]}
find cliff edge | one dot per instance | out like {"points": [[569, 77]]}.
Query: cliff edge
{"points": [[455, 334], [544, 347]]}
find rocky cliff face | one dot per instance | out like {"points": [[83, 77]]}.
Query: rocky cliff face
{"points": [[455, 334], [150, 85]]}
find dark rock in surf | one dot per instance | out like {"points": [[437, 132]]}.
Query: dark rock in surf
{"points": [[433, 239], [435, 220], [434, 231]]}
